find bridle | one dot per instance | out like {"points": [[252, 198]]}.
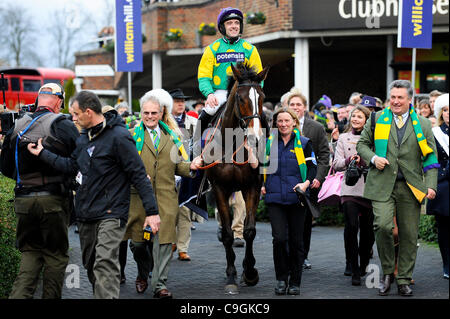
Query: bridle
{"points": [[242, 123], [243, 120]]}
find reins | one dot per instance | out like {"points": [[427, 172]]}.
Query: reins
{"points": [[242, 123], [206, 146]]}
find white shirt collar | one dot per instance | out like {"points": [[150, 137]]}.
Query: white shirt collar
{"points": [[157, 129], [404, 116], [302, 120]]}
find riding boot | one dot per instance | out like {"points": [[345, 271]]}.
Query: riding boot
{"points": [[203, 122]]}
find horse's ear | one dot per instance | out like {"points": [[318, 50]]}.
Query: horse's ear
{"points": [[236, 73], [263, 74]]}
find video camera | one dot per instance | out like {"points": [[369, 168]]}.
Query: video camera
{"points": [[7, 119]]}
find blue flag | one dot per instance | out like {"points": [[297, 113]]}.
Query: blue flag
{"points": [[128, 43], [415, 24]]}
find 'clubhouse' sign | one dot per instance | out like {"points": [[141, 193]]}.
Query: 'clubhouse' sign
{"points": [[312, 15]]}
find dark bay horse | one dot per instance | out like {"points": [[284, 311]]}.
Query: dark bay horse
{"points": [[243, 110]]}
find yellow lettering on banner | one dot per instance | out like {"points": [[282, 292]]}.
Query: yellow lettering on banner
{"points": [[129, 27], [129, 43], [417, 17], [417, 29]]}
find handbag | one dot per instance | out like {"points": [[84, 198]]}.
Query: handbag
{"points": [[352, 174], [330, 193], [303, 198]]}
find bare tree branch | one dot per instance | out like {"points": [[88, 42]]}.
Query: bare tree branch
{"points": [[17, 35]]}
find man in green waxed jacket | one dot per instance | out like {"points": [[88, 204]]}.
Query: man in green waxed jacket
{"points": [[402, 153]]}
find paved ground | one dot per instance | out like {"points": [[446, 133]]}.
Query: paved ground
{"points": [[204, 276]]}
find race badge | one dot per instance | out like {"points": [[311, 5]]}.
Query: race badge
{"points": [[90, 150], [79, 178], [230, 57]]}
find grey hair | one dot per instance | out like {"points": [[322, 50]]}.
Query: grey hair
{"points": [[402, 84], [284, 98], [121, 105], [350, 100], [160, 96], [165, 102]]}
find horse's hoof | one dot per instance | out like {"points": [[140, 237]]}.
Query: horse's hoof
{"points": [[250, 279], [231, 289]]}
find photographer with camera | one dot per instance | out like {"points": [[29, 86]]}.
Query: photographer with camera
{"points": [[42, 195], [357, 210], [105, 163]]}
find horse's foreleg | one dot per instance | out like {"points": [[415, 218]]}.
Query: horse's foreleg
{"points": [[227, 240], [250, 274]]}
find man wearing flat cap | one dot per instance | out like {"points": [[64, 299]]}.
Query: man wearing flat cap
{"points": [[187, 124]]}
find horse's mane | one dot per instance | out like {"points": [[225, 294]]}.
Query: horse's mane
{"points": [[247, 74]]}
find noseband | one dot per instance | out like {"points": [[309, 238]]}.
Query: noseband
{"points": [[243, 120]]}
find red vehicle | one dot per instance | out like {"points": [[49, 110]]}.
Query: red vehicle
{"points": [[22, 84]]}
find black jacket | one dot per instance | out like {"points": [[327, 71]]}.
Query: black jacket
{"points": [[107, 164], [65, 133], [316, 133]]}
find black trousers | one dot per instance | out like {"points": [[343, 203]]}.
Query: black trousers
{"points": [[307, 230], [123, 250], [358, 217], [443, 239], [143, 255], [287, 231]]}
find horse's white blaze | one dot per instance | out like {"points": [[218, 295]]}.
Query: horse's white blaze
{"points": [[255, 123]]}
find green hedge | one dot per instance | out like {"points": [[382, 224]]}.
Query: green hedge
{"points": [[9, 255], [428, 229], [330, 216]]}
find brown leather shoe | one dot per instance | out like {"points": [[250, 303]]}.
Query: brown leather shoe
{"points": [[405, 290], [163, 294], [174, 247], [184, 256], [141, 285], [385, 284]]}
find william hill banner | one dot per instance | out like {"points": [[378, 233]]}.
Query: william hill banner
{"points": [[415, 24], [128, 43]]}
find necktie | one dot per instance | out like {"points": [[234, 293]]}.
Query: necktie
{"points": [[400, 121], [155, 139]]}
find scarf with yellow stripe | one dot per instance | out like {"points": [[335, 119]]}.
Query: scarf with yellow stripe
{"points": [[381, 138], [139, 132], [298, 150]]}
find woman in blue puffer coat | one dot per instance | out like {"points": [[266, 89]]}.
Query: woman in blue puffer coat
{"points": [[295, 166]]}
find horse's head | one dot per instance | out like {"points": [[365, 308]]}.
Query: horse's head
{"points": [[249, 98]]}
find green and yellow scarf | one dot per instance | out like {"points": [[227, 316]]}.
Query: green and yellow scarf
{"points": [[298, 150], [139, 132], [381, 138]]}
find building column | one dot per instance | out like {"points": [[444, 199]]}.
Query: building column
{"points": [[156, 70], [389, 60], [301, 66]]}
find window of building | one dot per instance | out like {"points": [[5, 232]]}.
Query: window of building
{"points": [[31, 85], [4, 84], [15, 84]]}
